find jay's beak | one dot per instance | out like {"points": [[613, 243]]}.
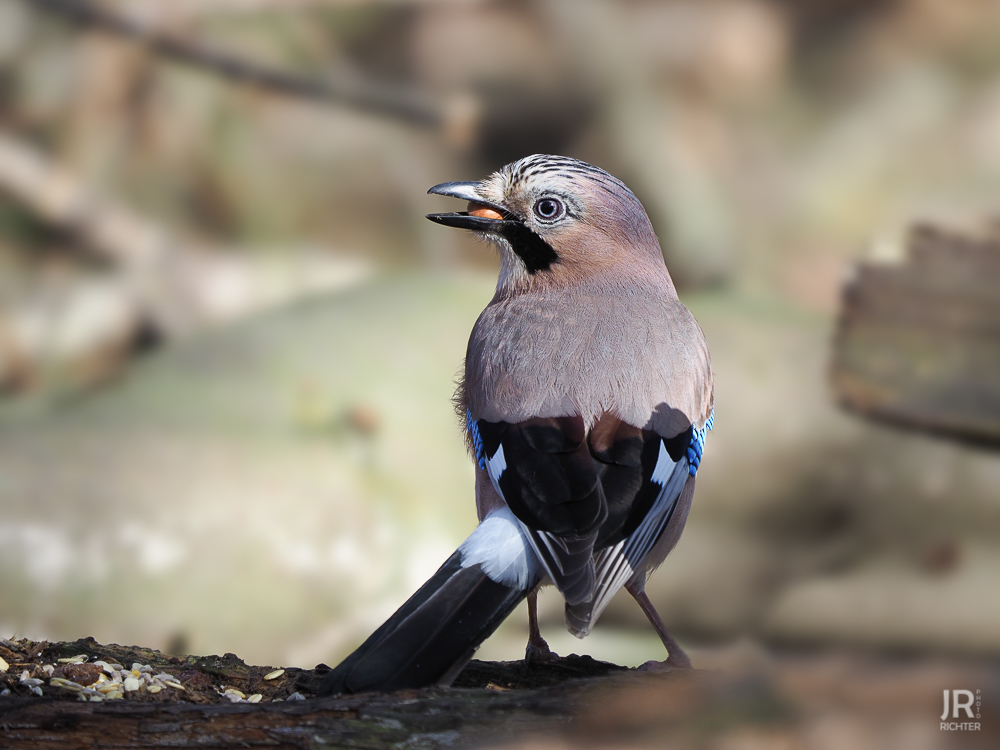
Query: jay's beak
{"points": [[482, 215]]}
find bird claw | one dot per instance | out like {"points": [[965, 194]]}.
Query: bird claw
{"points": [[538, 652], [678, 661]]}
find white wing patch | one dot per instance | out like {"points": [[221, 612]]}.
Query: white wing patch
{"points": [[501, 548], [496, 466], [543, 555], [664, 466]]}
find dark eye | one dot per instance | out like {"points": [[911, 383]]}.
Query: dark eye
{"points": [[549, 208]]}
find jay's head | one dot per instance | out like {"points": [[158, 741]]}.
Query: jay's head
{"points": [[555, 219]]}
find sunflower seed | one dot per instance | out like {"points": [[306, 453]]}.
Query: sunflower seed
{"points": [[274, 675]]}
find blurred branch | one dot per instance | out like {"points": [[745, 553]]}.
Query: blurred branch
{"points": [[164, 283], [196, 8], [365, 95], [59, 198]]}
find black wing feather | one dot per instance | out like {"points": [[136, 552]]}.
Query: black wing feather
{"points": [[551, 484]]}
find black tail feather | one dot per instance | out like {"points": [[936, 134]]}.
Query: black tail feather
{"points": [[431, 637]]}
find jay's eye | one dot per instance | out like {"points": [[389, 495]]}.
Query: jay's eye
{"points": [[549, 209]]}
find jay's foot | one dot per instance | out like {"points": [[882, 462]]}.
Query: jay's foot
{"points": [[676, 660], [538, 652]]}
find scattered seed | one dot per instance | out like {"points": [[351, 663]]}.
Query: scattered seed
{"points": [[48, 669], [60, 682], [274, 675], [30, 681], [154, 689], [4, 666], [174, 685], [296, 697], [36, 690], [234, 691], [255, 698], [109, 668], [131, 684], [4, 693], [78, 659]]}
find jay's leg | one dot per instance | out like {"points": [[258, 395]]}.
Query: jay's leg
{"points": [[537, 649], [676, 658]]}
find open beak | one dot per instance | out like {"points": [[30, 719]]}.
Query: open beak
{"points": [[482, 215]]}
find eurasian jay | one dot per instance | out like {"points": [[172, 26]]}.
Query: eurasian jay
{"points": [[586, 397]]}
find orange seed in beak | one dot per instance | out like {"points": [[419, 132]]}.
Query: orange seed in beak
{"points": [[484, 212]]}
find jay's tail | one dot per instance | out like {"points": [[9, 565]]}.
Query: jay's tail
{"points": [[434, 634]]}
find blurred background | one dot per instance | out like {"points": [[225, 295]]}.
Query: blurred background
{"points": [[228, 338]]}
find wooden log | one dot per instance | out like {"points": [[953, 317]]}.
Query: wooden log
{"points": [[575, 702], [494, 701], [918, 342]]}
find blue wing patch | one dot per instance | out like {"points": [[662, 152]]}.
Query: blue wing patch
{"points": [[697, 446], [477, 439]]}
